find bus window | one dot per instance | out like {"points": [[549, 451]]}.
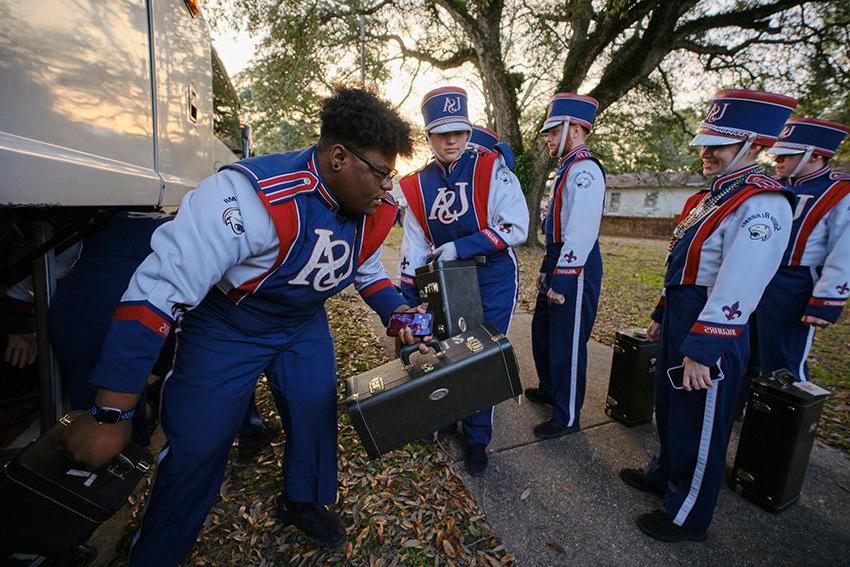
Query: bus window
{"points": [[225, 107]]}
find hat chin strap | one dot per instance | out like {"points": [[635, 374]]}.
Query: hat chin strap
{"points": [[563, 141], [807, 156], [732, 165]]}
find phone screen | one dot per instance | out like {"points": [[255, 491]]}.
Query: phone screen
{"points": [[418, 323], [676, 375]]}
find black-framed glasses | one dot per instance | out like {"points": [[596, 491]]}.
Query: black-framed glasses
{"points": [[383, 175]]}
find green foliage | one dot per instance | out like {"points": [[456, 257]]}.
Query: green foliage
{"points": [[642, 134], [829, 74], [524, 170], [226, 124]]}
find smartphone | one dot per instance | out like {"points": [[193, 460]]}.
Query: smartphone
{"points": [[418, 323], [676, 375]]}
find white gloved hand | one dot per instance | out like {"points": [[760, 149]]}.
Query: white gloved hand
{"points": [[447, 252]]}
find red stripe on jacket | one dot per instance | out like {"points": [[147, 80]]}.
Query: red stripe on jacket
{"points": [[481, 178], [411, 187], [144, 315], [287, 222], [826, 202], [376, 229], [689, 274]]}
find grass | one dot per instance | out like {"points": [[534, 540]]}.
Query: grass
{"points": [[632, 280]]}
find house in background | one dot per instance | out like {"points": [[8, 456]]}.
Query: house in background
{"points": [[646, 204]]}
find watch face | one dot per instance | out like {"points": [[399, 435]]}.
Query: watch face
{"points": [[107, 415]]}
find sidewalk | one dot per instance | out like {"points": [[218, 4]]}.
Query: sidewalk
{"points": [[560, 502]]}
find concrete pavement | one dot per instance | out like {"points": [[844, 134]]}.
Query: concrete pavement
{"points": [[560, 502]]}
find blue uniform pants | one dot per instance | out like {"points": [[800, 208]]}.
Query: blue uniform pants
{"points": [[559, 335], [782, 340], [499, 285], [204, 402], [693, 427]]}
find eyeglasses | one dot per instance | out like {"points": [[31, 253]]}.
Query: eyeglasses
{"points": [[384, 176]]}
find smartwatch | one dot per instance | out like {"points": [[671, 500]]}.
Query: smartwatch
{"points": [[110, 416]]}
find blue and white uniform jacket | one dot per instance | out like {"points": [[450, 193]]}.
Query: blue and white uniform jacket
{"points": [[476, 203], [262, 243], [574, 217], [820, 238], [734, 252]]}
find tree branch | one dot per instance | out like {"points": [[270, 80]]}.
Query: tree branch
{"points": [[456, 59], [750, 18]]}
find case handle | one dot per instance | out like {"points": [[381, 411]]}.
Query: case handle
{"points": [[407, 350]]}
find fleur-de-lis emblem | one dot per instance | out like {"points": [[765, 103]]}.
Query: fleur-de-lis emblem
{"points": [[570, 257], [404, 263], [731, 311], [505, 228], [843, 288]]}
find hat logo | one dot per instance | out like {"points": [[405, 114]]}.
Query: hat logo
{"points": [[716, 112], [451, 105], [786, 131]]}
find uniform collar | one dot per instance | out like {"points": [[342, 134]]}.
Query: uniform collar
{"points": [[723, 181], [571, 154], [825, 170], [325, 194], [447, 170]]}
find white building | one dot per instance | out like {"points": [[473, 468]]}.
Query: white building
{"points": [[649, 195]]}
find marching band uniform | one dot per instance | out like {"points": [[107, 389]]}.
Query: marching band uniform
{"points": [[571, 267], [814, 277], [471, 207], [244, 269], [725, 249]]}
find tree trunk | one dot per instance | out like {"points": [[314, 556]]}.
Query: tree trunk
{"points": [[541, 165]]}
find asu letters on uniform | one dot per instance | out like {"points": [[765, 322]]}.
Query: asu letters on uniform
{"points": [[244, 269]]}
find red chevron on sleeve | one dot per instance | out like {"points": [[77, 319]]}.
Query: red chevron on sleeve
{"points": [[144, 315]]}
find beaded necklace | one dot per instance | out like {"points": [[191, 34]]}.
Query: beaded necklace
{"points": [[704, 208]]}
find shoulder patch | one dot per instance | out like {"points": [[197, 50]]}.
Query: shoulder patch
{"points": [[763, 181], [283, 187]]}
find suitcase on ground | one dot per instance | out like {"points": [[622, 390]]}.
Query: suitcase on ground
{"points": [[631, 387], [452, 293], [49, 505], [406, 400], [776, 439]]}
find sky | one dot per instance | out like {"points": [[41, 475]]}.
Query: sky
{"points": [[237, 49]]}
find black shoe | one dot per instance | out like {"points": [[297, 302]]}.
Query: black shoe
{"points": [[636, 479], [318, 523], [475, 458], [551, 429], [538, 396], [251, 445], [657, 526]]}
